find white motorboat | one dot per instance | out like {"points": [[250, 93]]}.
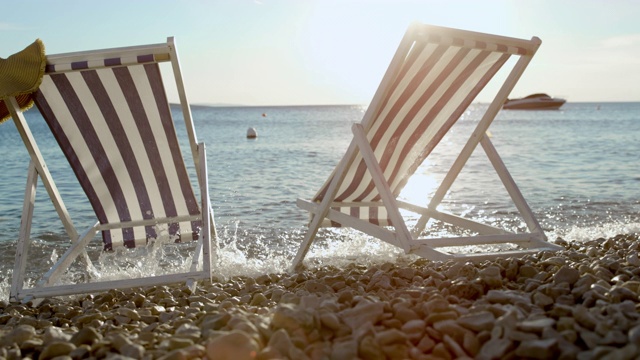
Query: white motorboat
{"points": [[534, 102]]}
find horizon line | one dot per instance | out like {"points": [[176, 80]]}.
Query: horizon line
{"points": [[365, 105]]}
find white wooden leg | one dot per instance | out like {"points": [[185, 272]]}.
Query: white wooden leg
{"points": [[324, 206], [65, 261], [24, 240], [389, 201]]}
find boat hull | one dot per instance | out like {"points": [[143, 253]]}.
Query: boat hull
{"points": [[534, 102], [547, 105]]}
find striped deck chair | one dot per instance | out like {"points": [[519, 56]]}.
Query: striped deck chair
{"points": [[109, 113], [434, 76]]}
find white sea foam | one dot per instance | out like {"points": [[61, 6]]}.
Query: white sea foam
{"points": [[606, 230]]}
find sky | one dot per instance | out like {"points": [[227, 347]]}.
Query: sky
{"points": [[303, 52]]}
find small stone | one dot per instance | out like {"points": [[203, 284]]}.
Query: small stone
{"points": [[134, 351], [148, 319], [633, 259], [437, 304], [590, 338], [441, 316], [519, 336], [495, 349], [4, 318], [454, 346], [215, 321], [236, 345], [118, 340], [582, 315], [317, 350], [466, 289], [390, 336], [347, 349], [280, 342], [81, 352], [632, 285], [619, 294], [630, 351], [129, 313], [634, 335], [620, 278], [452, 329], [370, 349], [536, 325], [313, 286], [27, 320], [121, 320], [426, 344], [566, 274], [174, 343], [138, 300], [86, 335], [258, 299], [57, 348], [165, 317], [330, 320], [471, 344], [307, 301], [614, 338], [195, 351], [414, 329], [491, 276], [404, 314], [86, 319], [188, 330], [18, 335], [541, 299], [565, 323], [570, 336], [157, 309], [440, 351], [53, 333], [380, 280], [498, 297], [508, 320], [288, 317], [268, 353], [527, 271], [555, 261], [406, 273], [396, 351], [478, 321], [537, 349], [364, 313]]}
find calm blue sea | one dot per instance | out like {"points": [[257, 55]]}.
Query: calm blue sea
{"points": [[577, 167]]}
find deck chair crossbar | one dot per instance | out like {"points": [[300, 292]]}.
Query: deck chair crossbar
{"points": [[433, 78], [109, 112]]}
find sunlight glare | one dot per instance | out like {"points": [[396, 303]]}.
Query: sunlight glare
{"points": [[420, 187]]}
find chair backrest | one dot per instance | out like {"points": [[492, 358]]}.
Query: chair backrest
{"points": [[109, 113], [433, 78]]}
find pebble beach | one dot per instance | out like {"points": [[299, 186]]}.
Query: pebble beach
{"points": [[578, 303]]}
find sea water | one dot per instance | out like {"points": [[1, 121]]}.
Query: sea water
{"points": [[577, 167]]}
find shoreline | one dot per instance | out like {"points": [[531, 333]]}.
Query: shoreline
{"points": [[579, 303]]}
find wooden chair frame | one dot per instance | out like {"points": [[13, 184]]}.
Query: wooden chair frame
{"points": [[399, 234], [205, 255]]}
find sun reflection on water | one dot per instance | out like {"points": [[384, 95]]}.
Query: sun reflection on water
{"points": [[421, 186]]}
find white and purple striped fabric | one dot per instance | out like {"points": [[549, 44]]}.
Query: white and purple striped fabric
{"points": [[438, 79], [114, 125]]}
